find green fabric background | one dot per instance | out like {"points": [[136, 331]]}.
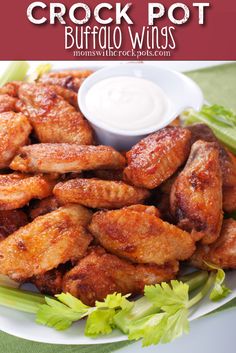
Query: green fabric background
{"points": [[219, 86]]}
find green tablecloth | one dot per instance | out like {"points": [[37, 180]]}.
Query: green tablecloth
{"points": [[219, 86]]}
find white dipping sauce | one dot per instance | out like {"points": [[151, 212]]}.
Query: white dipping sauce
{"points": [[127, 103]]}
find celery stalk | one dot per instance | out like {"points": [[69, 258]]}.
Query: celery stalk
{"points": [[16, 71], [20, 300]]}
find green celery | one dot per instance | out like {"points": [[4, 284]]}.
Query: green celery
{"points": [[16, 71], [219, 119], [20, 300], [143, 307]]}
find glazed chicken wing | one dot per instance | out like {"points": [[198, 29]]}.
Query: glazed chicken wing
{"points": [[7, 103], [227, 162], [97, 193], [11, 88], [196, 195], [66, 83], [227, 159], [48, 241], [99, 274], [16, 190], [10, 221], [65, 158], [54, 119], [155, 158], [70, 80], [142, 238], [222, 252], [14, 133]]}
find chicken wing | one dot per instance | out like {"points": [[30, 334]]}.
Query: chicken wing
{"points": [[227, 159], [44, 206], [65, 158], [66, 83], [222, 252], [155, 158], [54, 119], [16, 190], [7, 103], [141, 238], [11, 88], [97, 193], [196, 195], [14, 133], [10, 221], [48, 241], [99, 274], [70, 80]]}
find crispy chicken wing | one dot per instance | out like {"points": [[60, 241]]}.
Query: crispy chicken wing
{"points": [[10, 221], [196, 195], [16, 189], [64, 158], [41, 207], [222, 252], [54, 119], [70, 80], [142, 238], [70, 96], [48, 241], [66, 83], [155, 158], [11, 88], [227, 162], [7, 103], [99, 274], [227, 159], [98, 193], [14, 133]]}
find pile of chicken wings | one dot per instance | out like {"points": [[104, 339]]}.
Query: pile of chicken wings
{"points": [[86, 219]]}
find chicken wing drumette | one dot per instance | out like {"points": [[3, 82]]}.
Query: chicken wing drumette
{"points": [[155, 158], [196, 195], [222, 252], [142, 238], [47, 242], [65, 158], [53, 118], [100, 273], [96, 193]]}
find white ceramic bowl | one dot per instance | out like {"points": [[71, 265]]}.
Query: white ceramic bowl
{"points": [[182, 92]]}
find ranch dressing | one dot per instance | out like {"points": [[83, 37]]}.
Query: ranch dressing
{"points": [[127, 103]]}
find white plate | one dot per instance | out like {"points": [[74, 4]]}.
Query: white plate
{"points": [[23, 325]]}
